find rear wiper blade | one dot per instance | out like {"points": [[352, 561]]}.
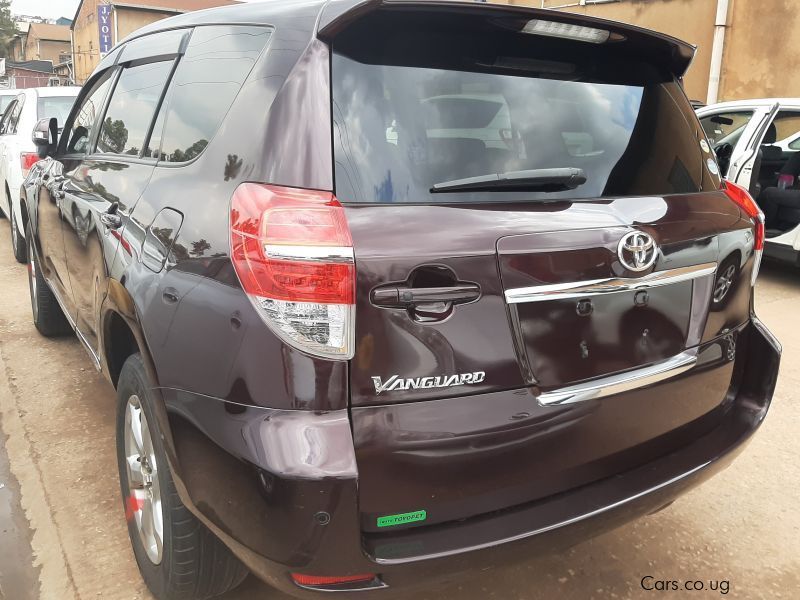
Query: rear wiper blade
{"points": [[539, 180]]}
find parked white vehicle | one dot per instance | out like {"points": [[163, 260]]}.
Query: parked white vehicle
{"points": [[757, 144], [17, 151]]}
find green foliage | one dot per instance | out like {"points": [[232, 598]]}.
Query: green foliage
{"points": [[7, 28]]}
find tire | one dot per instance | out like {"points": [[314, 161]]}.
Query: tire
{"points": [[189, 563], [48, 317], [18, 247]]}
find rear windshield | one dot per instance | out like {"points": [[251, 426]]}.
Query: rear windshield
{"points": [[399, 129], [55, 106]]}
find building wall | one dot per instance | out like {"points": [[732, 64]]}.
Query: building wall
{"points": [[761, 58], [85, 40], [86, 33], [37, 49], [130, 20]]}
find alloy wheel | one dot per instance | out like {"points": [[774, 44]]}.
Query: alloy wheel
{"points": [[143, 503], [724, 283]]}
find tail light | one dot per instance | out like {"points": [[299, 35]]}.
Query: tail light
{"points": [[27, 160], [745, 201], [293, 253]]}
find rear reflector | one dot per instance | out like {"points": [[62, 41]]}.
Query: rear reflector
{"points": [[27, 160], [318, 581], [566, 31], [293, 253], [745, 201]]}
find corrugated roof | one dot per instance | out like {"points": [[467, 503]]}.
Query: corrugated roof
{"points": [[45, 31]]}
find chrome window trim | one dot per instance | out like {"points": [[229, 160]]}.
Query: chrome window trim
{"points": [[621, 382], [613, 285]]}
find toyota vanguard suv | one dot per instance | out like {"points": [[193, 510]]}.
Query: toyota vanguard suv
{"points": [[361, 340]]}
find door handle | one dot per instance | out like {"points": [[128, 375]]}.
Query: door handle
{"points": [[111, 221], [406, 297], [111, 217]]}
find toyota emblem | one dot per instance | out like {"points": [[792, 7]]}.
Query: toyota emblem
{"points": [[637, 251]]}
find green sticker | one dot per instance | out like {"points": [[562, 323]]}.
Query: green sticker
{"points": [[392, 520]]}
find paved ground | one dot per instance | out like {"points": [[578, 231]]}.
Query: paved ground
{"points": [[62, 531]]}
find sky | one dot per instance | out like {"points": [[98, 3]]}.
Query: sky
{"points": [[53, 8]]}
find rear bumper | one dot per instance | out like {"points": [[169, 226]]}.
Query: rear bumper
{"points": [[278, 525]]}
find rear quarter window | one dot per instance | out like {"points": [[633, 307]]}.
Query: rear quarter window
{"points": [[207, 80]]}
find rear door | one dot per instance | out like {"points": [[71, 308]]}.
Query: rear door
{"points": [[487, 315], [105, 185]]}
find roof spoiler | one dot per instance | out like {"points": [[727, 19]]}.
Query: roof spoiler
{"points": [[664, 50]]}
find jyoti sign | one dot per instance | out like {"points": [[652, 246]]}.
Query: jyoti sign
{"points": [[104, 25]]}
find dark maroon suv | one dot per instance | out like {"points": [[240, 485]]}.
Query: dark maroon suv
{"points": [[391, 290]]}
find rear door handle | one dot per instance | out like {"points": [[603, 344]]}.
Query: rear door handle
{"points": [[405, 297]]}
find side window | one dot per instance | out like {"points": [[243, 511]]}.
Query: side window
{"points": [[210, 74], [787, 125], [132, 108], [726, 128], [13, 121], [81, 129], [7, 117]]}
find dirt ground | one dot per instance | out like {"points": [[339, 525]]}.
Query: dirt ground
{"points": [[63, 536]]}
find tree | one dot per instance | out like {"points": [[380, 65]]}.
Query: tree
{"points": [[8, 28]]}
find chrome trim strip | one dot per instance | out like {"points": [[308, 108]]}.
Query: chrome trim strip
{"points": [[621, 382], [336, 254], [581, 289]]}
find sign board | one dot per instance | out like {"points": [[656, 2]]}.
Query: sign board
{"points": [[104, 25]]}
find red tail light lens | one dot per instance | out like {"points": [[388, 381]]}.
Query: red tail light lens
{"points": [[27, 160], [317, 580], [745, 201], [293, 253]]}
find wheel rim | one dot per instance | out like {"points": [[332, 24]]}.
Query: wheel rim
{"points": [[724, 283], [143, 504]]}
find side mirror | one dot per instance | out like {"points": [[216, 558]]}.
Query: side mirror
{"points": [[45, 137]]}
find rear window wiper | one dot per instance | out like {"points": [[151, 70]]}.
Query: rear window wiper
{"points": [[539, 180]]}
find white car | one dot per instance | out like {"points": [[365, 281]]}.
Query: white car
{"points": [[17, 150], [756, 142]]}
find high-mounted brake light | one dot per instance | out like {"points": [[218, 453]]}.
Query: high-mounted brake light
{"points": [[568, 31], [293, 253], [27, 160], [745, 201]]}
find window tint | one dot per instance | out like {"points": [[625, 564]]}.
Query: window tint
{"points": [[16, 113], [401, 129], [7, 116], [81, 129], [206, 82], [57, 107], [132, 108], [787, 124], [4, 102], [726, 128]]}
